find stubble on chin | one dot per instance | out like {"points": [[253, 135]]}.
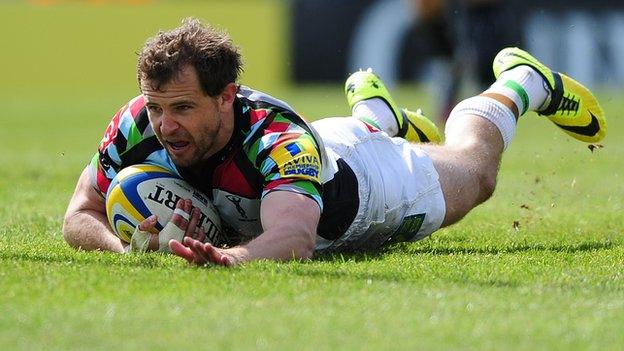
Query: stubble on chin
{"points": [[203, 148], [200, 153]]}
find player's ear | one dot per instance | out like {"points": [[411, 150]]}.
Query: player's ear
{"points": [[226, 98]]}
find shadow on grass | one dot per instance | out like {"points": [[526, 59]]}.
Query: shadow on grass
{"points": [[341, 266], [427, 248], [510, 249], [345, 266], [423, 248], [438, 277]]}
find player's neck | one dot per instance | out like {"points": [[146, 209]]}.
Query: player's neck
{"points": [[226, 132]]}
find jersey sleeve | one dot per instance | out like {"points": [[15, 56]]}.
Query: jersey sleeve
{"points": [[288, 157], [128, 140]]}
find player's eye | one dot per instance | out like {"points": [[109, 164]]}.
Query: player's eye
{"points": [[183, 107], [154, 109]]}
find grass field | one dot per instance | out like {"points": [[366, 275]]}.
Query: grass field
{"points": [[554, 282]]}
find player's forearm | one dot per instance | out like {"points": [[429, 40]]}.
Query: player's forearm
{"points": [[283, 243], [88, 230]]}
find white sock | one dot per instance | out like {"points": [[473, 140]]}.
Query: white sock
{"points": [[524, 86], [378, 111], [497, 113]]}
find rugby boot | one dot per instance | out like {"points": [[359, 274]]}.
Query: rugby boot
{"points": [[572, 106], [413, 126], [421, 129]]}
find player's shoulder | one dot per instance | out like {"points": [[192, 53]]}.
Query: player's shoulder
{"points": [[136, 106], [277, 136], [130, 120], [259, 100], [266, 114], [133, 109]]}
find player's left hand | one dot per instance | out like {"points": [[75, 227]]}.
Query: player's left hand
{"points": [[201, 254]]}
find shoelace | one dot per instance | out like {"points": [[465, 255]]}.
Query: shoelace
{"points": [[569, 104]]}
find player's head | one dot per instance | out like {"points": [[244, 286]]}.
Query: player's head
{"points": [[188, 78], [211, 52]]}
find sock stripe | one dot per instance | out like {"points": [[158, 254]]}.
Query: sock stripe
{"points": [[370, 121], [376, 112], [518, 89]]}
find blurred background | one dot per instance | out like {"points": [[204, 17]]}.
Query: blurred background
{"points": [[443, 46], [67, 66], [450, 44]]}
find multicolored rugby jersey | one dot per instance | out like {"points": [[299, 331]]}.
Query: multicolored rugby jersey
{"points": [[272, 148]]}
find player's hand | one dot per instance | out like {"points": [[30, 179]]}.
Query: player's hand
{"points": [[201, 254], [186, 218], [184, 223], [141, 239]]}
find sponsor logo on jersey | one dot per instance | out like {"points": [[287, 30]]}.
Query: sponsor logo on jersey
{"points": [[305, 165], [293, 149], [236, 201], [241, 212], [409, 228]]}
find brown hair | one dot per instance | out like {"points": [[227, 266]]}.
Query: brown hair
{"points": [[211, 52]]}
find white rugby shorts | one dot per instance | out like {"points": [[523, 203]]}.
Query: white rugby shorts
{"points": [[400, 195]]}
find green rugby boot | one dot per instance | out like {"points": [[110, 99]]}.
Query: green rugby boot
{"points": [[413, 126], [572, 106]]}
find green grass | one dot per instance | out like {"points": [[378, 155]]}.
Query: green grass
{"points": [[556, 282]]}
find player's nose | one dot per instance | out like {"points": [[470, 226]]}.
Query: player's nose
{"points": [[168, 125]]}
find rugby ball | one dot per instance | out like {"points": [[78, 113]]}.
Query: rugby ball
{"points": [[141, 190]]}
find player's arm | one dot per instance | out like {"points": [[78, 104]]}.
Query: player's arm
{"points": [[85, 225], [289, 221], [289, 158]]}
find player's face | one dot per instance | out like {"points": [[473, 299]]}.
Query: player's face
{"points": [[191, 125]]}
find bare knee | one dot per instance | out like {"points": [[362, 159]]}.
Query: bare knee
{"points": [[482, 161], [467, 175], [480, 165], [487, 183]]}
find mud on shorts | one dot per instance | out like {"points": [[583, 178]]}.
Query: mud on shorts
{"points": [[400, 195]]}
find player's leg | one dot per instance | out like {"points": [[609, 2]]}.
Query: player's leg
{"points": [[371, 102], [467, 163], [480, 128]]}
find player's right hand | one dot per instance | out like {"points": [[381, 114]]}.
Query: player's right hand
{"points": [[142, 240], [184, 223]]}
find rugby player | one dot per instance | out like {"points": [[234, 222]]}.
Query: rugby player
{"points": [[286, 189]]}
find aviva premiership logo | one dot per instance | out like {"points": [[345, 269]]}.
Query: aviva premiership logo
{"points": [[306, 165], [298, 159]]}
